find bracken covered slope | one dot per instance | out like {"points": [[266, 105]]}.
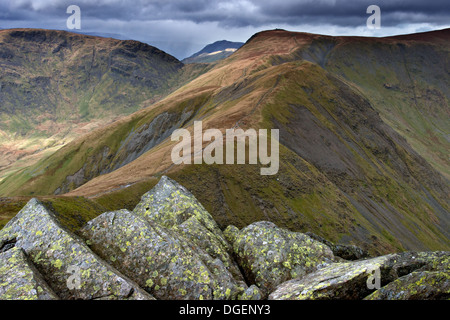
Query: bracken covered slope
{"points": [[362, 129]]}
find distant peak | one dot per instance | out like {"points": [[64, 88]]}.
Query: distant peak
{"points": [[215, 51]]}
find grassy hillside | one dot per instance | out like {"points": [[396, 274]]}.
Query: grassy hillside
{"points": [[56, 86]]}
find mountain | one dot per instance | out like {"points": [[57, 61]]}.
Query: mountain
{"points": [[57, 85], [170, 248], [363, 154], [214, 52]]}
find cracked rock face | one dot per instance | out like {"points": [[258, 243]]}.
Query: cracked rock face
{"points": [[171, 205], [54, 250]]}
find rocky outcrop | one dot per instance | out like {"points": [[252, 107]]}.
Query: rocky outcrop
{"points": [[270, 255], [173, 206], [170, 247], [416, 286], [55, 252], [159, 259], [357, 280], [431, 282]]}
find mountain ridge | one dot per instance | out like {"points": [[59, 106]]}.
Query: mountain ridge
{"points": [[57, 85], [169, 247], [380, 180]]}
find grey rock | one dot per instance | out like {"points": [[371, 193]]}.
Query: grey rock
{"points": [[252, 293], [269, 255], [345, 280], [161, 260], [171, 205], [356, 280], [54, 250], [231, 233]]}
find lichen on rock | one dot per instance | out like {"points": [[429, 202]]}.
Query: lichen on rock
{"points": [[161, 260], [343, 280], [54, 250], [171, 205], [170, 247], [252, 293], [231, 233], [270, 255], [421, 285], [20, 280], [351, 280]]}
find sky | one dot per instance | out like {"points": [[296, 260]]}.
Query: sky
{"points": [[183, 27]]}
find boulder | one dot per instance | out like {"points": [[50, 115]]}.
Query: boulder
{"points": [[171, 205], [430, 282], [269, 255], [161, 260], [357, 280], [344, 280], [20, 280], [423, 285], [58, 254]]}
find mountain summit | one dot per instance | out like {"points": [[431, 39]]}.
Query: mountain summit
{"points": [[213, 52], [56, 86]]}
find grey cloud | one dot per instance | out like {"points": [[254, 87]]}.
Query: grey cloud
{"points": [[176, 23], [233, 13]]}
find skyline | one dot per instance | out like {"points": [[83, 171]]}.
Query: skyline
{"points": [[182, 28]]}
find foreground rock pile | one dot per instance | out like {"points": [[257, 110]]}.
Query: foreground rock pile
{"points": [[170, 247]]}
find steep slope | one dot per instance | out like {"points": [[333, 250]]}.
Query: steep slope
{"points": [[405, 78], [169, 247], [345, 173], [56, 75], [56, 85], [214, 52]]}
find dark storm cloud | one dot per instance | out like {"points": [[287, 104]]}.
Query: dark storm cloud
{"points": [[234, 13], [183, 26], [351, 13]]}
